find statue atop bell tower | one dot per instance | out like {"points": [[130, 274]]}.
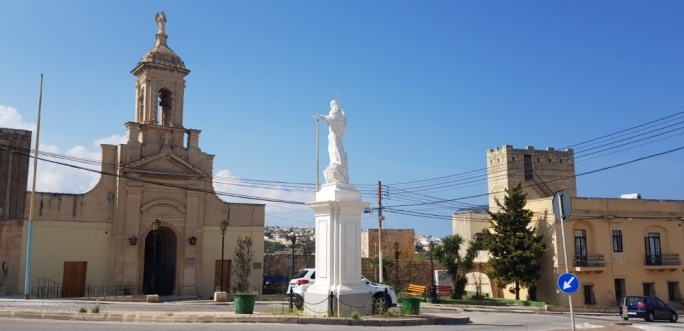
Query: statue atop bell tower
{"points": [[161, 83]]}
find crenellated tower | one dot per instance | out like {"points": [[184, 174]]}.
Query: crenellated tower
{"points": [[541, 172]]}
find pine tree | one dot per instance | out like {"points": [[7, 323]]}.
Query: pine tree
{"points": [[514, 246]]}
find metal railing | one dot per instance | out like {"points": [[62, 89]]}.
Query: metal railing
{"points": [[591, 260], [49, 289], [662, 259]]}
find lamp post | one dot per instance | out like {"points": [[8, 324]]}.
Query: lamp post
{"points": [[293, 240], [224, 227], [433, 288], [155, 227], [396, 260]]}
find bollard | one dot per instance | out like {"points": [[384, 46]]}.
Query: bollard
{"points": [[291, 294], [330, 304], [383, 309]]}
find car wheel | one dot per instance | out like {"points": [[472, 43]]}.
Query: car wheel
{"points": [[380, 304], [673, 318], [650, 317]]}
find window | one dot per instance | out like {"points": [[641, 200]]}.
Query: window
{"points": [[589, 297], [653, 251], [527, 158], [617, 241], [673, 291], [581, 248], [649, 289]]}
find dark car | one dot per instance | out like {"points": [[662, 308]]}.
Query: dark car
{"points": [[648, 308]]}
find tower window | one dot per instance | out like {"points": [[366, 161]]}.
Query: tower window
{"points": [[527, 159]]}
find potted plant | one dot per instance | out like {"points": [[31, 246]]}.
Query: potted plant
{"points": [[244, 296], [3, 276]]}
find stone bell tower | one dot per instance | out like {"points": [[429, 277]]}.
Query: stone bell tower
{"points": [[159, 91], [160, 84]]}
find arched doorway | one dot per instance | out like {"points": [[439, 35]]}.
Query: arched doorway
{"points": [[159, 275]]}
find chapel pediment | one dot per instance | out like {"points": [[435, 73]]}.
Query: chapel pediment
{"points": [[167, 163]]}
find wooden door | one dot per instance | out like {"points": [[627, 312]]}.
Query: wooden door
{"points": [[226, 275], [74, 279]]}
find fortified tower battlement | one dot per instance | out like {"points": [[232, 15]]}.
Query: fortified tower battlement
{"points": [[15, 146], [541, 172]]}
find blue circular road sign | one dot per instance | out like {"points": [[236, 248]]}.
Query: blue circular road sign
{"points": [[568, 283]]}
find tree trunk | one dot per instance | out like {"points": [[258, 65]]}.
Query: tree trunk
{"points": [[517, 291]]}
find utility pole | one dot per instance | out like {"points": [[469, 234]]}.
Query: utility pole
{"points": [[380, 218]]}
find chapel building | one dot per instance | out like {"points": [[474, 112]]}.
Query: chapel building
{"points": [[151, 225]]}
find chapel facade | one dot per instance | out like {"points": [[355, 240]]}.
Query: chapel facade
{"points": [[151, 225]]}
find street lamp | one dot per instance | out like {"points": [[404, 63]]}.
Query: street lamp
{"points": [[224, 227], [396, 260], [433, 288], [155, 227], [293, 239]]}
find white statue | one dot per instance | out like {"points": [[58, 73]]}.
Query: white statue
{"points": [[338, 169], [161, 22]]}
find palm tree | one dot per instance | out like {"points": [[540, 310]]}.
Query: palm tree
{"points": [[448, 256]]}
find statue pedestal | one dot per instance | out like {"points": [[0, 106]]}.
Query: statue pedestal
{"points": [[338, 209]]}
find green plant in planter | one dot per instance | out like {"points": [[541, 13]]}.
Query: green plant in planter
{"points": [[242, 269], [242, 275]]}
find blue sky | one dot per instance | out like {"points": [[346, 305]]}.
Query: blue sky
{"points": [[428, 87]]}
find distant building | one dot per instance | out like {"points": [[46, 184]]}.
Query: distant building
{"points": [[15, 147], [405, 238]]}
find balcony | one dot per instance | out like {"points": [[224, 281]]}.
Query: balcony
{"points": [[589, 263], [661, 262]]}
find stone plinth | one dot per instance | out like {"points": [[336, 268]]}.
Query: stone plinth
{"points": [[338, 209], [221, 296]]}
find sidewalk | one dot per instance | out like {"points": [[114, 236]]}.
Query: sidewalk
{"points": [[206, 311]]}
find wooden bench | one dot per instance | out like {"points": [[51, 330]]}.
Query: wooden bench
{"points": [[443, 290], [416, 290]]}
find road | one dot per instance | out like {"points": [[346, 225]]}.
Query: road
{"points": [[483, 321]]}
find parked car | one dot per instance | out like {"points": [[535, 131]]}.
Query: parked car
{"points": [[298, 285], [307, 276], [646, 307]]}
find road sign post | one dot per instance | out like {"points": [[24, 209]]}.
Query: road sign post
{"points": [[562, 207]]}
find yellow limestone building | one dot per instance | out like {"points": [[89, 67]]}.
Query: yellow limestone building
{"points": [[615, 246], [107, 241]]}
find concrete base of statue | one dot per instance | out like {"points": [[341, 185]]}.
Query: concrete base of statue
{"points": [[338, 209], [345, 300]]}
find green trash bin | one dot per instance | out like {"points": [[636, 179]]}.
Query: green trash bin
{"points": [[411, 306]]}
